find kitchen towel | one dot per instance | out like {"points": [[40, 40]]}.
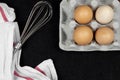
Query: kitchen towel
{"points": [[10, 68]]}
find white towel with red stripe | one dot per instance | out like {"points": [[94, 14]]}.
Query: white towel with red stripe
{"points": [[10, 68]]}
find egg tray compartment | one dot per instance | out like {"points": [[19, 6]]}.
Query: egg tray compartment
{"points": [[68, 24]]}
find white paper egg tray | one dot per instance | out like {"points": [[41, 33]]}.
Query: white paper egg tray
{"points": [[67, 25]]}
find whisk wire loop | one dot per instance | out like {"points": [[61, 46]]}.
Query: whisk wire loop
{"points": [[40, 14]]}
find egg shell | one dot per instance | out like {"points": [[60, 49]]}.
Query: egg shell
{"points": [[104, 14], [83, 14], [104, 36], [83, 35]]}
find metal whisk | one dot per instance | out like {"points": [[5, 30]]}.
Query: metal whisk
{"points": [[40, 14]]}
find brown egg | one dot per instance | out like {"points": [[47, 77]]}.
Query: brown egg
{"points": [[104, 35], [83, 14], [83, 35]]}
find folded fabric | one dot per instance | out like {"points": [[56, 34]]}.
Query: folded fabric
{"points": [[7, 31], [6, 13], [44, 71], [10, 68]]}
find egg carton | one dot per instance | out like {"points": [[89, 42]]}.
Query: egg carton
{"points": [[67, 25]]}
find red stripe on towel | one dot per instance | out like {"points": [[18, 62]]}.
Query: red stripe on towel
{"points": [[37, 68], [27, 78], [3, 14]]}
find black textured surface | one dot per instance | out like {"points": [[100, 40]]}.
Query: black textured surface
{"points": [[69, 65]]}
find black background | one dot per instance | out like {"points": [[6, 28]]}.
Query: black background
{"points": [[69, 65]]}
